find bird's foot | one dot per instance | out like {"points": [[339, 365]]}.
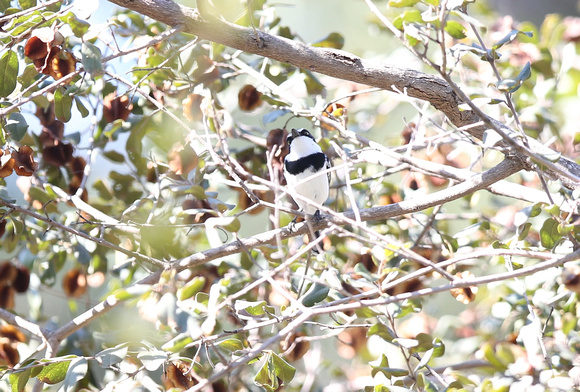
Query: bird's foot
{"points": [[317, 215], [292, 224]]}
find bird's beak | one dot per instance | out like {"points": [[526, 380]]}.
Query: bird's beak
{"points": [[295, 133]]}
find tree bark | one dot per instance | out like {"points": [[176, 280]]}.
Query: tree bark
{"points": [[338, 64]]}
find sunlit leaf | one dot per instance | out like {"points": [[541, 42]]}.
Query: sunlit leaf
{"points": [[8, 73], [152, 359], [77, 370], [19, 379], [112, 356], [386, 370], [549, 235], [257, 308], [274, 372], [410, 16], [62, 105], [191, 288], [402, 3], [455, 29], [54, 372], [231, 344], [382, 331]]}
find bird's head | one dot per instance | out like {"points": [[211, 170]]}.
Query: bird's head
{"points": [[302, 143]]}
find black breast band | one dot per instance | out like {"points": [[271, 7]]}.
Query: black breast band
{"points": [[315, 161]]}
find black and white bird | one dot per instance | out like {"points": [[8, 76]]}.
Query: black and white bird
{"points": [[303, 167]]}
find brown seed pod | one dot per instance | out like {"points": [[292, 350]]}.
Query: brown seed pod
{"points": [[8, 354], [12, 333], [8, 273], [6, 163], [6, 297], [74, 283], [294, 347], [249, 98], [191, 107], [116, 107], [22, 280], [464, 295], [58, 155], [178, 374], [24, 162], [571, 278]]}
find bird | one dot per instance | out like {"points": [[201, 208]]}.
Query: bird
{"points": [[302, 163]]}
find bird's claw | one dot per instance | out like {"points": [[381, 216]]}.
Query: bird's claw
{"points": [[292, 224]]}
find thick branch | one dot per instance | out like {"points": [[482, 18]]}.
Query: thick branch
{"points": [[335, 63], [477, 182]]}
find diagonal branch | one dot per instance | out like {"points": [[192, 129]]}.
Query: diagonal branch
{"points": [[475, 183]]}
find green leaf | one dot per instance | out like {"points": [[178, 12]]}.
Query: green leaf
{"points": [[489, 354], [112, 356], [62, 105], [257, 308], [333, 40], [16, 126], [26, 4], [382, 331], [8, 73], [114, 156], [549, 235], [523, 231], [411, 16], [81, 108], [283, 369], [231, 344], [54, 372], [423, 384], [386, 370], [455, 29], [77, 370], [191, 288], [131, 292], [274, 370], [179, 343], [313, 85], [315, 294], [19, 379], [4, 5], [425, 342], [78, 26], [401, 3], [438, 348], [92, 59]]}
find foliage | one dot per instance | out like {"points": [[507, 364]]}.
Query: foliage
{"points": [[142, 208]]}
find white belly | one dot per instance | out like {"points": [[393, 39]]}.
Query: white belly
{"points": [[315, 189]]}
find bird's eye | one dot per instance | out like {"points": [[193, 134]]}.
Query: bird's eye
{"points": [[304, 132]]}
